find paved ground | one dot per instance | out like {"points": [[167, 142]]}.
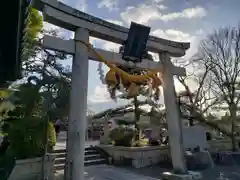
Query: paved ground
{"points": [[106, 172], [216, 173]]}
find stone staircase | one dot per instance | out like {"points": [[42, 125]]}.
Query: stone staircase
{"points": [[92, 157]]}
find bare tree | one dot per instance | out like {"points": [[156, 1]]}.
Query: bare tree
{"points": [[220, 51], [196, 96]]}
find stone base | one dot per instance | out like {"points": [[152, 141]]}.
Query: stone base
{"points": [[190, 176], [137, 157], [199, 160], [27, 169], [227, 158]]}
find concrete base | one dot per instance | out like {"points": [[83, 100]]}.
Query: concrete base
{"points": [[27, 169], [138, 156], [199, 160], [190, 176]]}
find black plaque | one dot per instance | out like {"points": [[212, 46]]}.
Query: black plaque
{"points": [[135, 45]]}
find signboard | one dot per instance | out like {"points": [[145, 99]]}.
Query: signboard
{"points": [[194, 136], [135, 45]]}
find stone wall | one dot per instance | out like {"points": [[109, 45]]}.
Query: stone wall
{"points": [[220, 145], [150, 155], [28, 169], [137, 156]]}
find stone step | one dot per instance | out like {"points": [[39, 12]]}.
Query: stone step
{"points": [[92, 157], [56, 151], [61, 166], [60, 160], [95, 162], [88, 148], [62, 153], [92, 151]]}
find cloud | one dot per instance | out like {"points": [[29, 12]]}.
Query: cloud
{"points": [[120, 23], [61, 32], [144, 13], [111, 5], [173, 34], [177, 35], [157, 1], [106, 45], [110, 46], [161, 6], [200, 32], [47, 26], [50, 27], [79, 4], [100, 95], [196, 12]]}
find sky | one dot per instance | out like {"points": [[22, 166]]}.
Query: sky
{"points": [[179, 20]]}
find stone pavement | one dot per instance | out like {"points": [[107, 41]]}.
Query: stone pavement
{"points": [[107, 172], [216, 173], [99, 172]]}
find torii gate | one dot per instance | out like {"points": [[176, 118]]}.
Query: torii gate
{"points": [[85, 25]]}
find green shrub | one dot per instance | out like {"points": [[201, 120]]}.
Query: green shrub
{"points": [[122, 136], [26, 124], [141, 142], [26, 137], [52, 140]]}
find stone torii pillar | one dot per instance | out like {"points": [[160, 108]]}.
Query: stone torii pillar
{"points": [[172, 115], [74, 169]]}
